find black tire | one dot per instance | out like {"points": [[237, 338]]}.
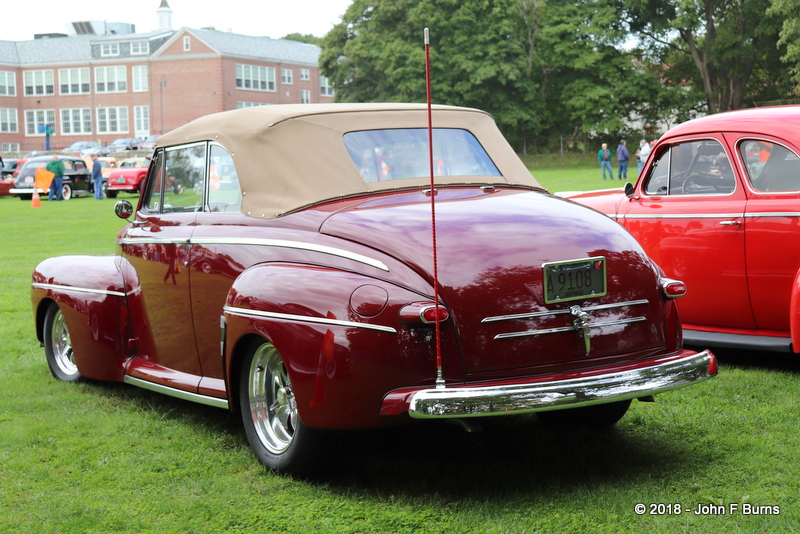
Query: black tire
{"points": [[596, 417], [277, 436], [111, 194], [25, 197], [66, 191], [58, 346]]}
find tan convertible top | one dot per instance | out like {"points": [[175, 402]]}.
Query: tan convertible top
{"points": [[291, 156]]}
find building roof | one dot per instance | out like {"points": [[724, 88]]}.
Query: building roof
{"points": [[78, 48]]}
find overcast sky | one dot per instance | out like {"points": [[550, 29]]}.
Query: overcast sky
{"points": [[271, 18]]}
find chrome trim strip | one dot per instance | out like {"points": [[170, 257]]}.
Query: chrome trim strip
{"points": [[773, 214], [682, 216], [57, 287], [178, 393], [282, 243], [528, 333], [533, 315], [307, 319], [444, 403]]}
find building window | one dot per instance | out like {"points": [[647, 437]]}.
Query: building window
{"points": [[38, 82], [187, 43], [255, 78], [286, 76], [325, 88], [8, 120], [110, 80], [76, 121], [139, 75], [109, 49], [8, 84], [74, 81], [37, 120], [305, 75], [140, 48], [141, 121], [9, 147], [112, 120], [305, 96], [240, 105]]}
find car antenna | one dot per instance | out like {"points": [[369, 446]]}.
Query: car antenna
{"points": [[439, 375]]}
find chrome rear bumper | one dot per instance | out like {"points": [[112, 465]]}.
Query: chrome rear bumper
{"points": [[456, 402]]}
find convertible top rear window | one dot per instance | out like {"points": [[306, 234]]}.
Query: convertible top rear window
{"points": [[381, 155]]}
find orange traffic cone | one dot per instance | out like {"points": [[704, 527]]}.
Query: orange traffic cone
{"points": [[35, 202]]}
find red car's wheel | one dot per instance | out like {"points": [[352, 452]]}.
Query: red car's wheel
{"points": [[276, 434], [58, 346]]}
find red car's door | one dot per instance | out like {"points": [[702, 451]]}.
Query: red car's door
{"points": [[688, 214], [157, 249], [772, 227]]}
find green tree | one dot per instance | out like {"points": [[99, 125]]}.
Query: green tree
{"points": [[303, 38], [789, 12], [732, 44]]}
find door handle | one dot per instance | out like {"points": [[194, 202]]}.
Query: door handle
{"points": [[731, 223]]}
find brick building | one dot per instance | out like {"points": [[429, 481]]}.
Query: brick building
{"points": [[103, 87]]}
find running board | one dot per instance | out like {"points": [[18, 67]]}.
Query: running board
{"points": [[216, 402]]}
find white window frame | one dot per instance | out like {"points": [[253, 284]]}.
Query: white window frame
{"points": [[8, 83], [305, 96], [43, 79], [287, 77], [141, 121], [109, 49], [117, 75], [305, 75], [112, 120], [139, 78], [325, 88], [8, 120], [187, 43], [140, 48], [255, 78], [76, 121], [9, 147], [71, 77], [240, 104], [38, 117]]}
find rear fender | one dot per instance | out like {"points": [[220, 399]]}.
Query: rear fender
{"points": [[91, 294], [794, 313], [340, 336]]}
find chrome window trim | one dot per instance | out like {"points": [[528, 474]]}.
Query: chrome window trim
{"points": [[533, 315], [743, 166], [482, 401], [59, 287], [306, 319], [674, 142], [178, 393]]}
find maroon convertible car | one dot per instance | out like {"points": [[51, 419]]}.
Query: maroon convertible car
{"points": [[279, 263]]}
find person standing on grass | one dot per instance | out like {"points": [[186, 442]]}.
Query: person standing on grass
{"points": [[97, 178], [604, 157], [622, 157], [57, 168], [641, 154]]}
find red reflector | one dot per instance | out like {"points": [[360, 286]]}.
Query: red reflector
{"points": [[712, 366], [429, 314], [422, 313], [673, 288]]}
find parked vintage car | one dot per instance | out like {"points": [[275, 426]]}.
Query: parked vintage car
{"points": [[124, 143], [9, 166], [149, 143], [291, 278], [77, 178], [128, 177], [6, 178], [716, 205]]}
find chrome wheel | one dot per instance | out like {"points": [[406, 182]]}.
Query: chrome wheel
{"points": [[272, 403], [58, 346]]}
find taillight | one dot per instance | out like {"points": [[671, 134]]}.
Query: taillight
{"points": [[672, 289], [422, 313]]}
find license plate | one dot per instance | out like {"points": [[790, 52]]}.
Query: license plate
{"points": [[574, 279], [120, 180]]}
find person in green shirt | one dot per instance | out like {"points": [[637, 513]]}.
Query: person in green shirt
{"points": [[604, 157], [57, 168]]}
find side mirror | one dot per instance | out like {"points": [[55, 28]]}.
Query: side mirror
{"points": [[629, 189], [123, 209]]}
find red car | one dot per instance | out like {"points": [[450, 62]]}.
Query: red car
{"points": [[290, 277], [127, 177], [716, 205]]}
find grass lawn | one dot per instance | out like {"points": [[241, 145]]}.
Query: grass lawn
{"points": [[105, 458]]}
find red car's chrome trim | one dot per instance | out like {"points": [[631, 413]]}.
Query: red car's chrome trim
{"points": [[177, 393], [662, 375], [282, 243], [57, 287], [682, 216], [566, 311], [557, 330], [306, 319]]}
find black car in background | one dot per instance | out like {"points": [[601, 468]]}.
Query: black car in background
{"points": [[77, 177]]}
